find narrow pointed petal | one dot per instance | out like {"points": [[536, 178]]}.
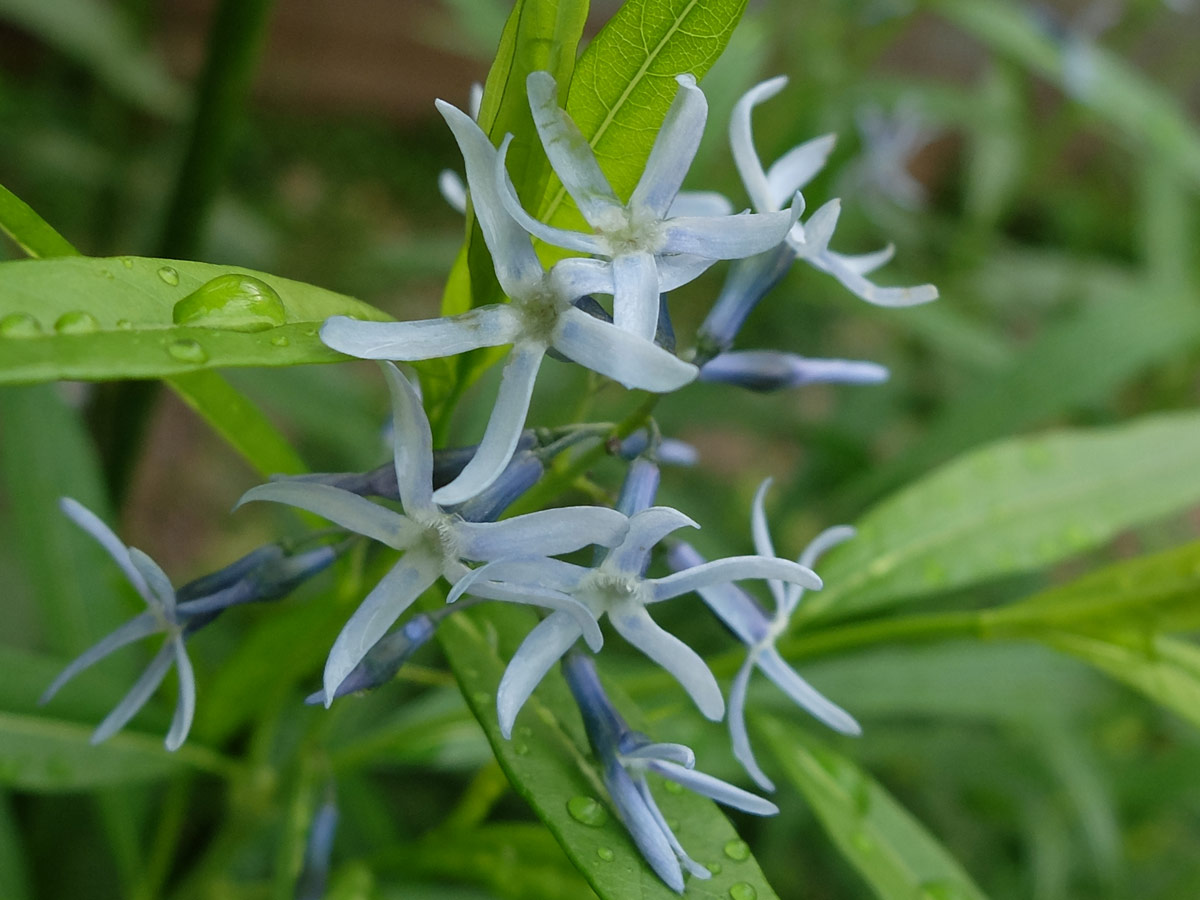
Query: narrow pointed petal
{"points": [[818, 230], [571, 240], [137, 696], [576, 277], [635, 625], [453, 191], [135, 629], [817, 547], [412, 443], [570, 155], [699, 203], [676, 753], [796, 168], [730, 237], [733, 606], [503, 428], [762, 537], [156, 579], [741, 139], [553, 574], [104, 536], [513, 257], [804, 694], [532, 594], [395, 592], [714, 788], [866, 263], [646, 529], [673, 151], [679, 269], [605, 348], [693, 867], [635, 294], [733, 568], [185, 706], [540, 650], [487, 326], [654, 840], [548, 531], [860, 286], [737, 726], [341, 507]]}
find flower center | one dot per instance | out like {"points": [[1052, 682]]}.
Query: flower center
{"points": [[539, 312], [604, 590], [441, 538], [624, 231]]}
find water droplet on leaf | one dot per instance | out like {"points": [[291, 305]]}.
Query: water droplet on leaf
{"points": [[76, 322], [20, 325], [280, 340], [713, 867], [231, 302], [738, 850], [169, 275], [127, 262], [587, 810], [673, 787], [605, 853], [187, 351], [124, 324], [521, 749], [743, 891]]}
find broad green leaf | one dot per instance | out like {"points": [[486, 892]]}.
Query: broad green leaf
{"points": [[135, 317], [1013, 507], [29, 230], [625, 80], [549, 765], [1144, 113], [99, 36], [46, 755], [1165, 669], [891, 850], [14, 879]]}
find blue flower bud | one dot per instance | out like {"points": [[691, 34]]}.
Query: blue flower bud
{"points": [[384, 660], [770, 370]]}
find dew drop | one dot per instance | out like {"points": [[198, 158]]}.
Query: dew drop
{"points": [[124, 324], [743, 891], [105, 273], [127, 262], [280, 340], [714, 867], [231, 302], [605, 853], [521, 749], [19, 325], [738, 850], [187, 351], [76, 322], [169, 275], [673, 787], [525, 731], [587, 810]]}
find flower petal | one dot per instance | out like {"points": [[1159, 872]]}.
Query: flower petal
{"points": [[891, 297], [741, 139], [571, 240], [693, 867], [654, 840], [412, 442], [635, 294], [185, 706], [544, 571], [570, 155], [721, 791], [866, 263], [635, 625], [804, 694], [395, 592], [729, 237], [605, 348], [453, 191], [104, 536], [673, 151], [762, 536], [737, 609], [135, 629], [733, 568], [156, 579], [503, 428], [576, 277], [699, 203], [486, 326], [342, 507], [677, 753], [540, 650], [137, 696], [547, 531], [737, 725], [646, 529], [679, 269], [817, 547], [796, 168]]}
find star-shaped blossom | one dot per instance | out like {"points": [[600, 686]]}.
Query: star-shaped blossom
{"points": [[160, 617], [759, 632], [809, 241], [647, 250], [541, 316], [435, 542], [626, 756], [618, 588]]}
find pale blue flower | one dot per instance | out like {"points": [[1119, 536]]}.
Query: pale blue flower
{"points": [[435, 542], [618, 588], [160, 617], [541, 317], [759, 632], [770, 370], [648, 250], [890, 141], [626, 756]]}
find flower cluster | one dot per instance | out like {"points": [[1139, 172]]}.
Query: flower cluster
{"points": [[441, 511]]}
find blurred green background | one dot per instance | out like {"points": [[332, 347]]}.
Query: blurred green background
{"points": [[1059, 171]]}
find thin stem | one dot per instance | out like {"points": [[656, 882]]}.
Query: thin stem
{"points": [[485, 790]]}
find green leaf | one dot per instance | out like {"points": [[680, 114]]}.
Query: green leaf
{"points": [[1115, 91], [98, 36], [891, 850], [135, 317], [14, 879], [41, 754], [1016, 506], [625, 81], [29, 230], [1165, 669], [549, 765]]}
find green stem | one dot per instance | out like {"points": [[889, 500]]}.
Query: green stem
{"points": [[485, 789]]}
